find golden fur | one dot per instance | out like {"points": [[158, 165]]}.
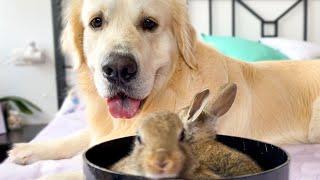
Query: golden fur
{"points": [[274, 101], [277, 102]]}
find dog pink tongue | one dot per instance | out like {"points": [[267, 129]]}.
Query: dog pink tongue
{"points": [[120, 107]]}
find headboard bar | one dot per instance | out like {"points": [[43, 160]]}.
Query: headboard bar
{"points": [[249, 9], [305, 20], [59, 58], [210, 17], [233, 25], [263, 21], [275, 25], [288, 10], [275, 22]]}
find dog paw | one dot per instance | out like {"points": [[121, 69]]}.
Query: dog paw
{"points": [[64, 176], [24, 153]]}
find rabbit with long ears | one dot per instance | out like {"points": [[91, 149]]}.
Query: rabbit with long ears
{"points": [[200, 122], [161, 151], [184, 146]]}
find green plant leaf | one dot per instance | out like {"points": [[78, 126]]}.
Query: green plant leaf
{"points": [[25, 102], [22, 107]]}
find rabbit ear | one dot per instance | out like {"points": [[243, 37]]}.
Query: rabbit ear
{"points": [[198, 104], [224, 100]]}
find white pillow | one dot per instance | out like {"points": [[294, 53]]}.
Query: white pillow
{"points": [[296, 50]]}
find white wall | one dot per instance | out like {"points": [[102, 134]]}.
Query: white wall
{"points": [[22, 21], [247, 26]]}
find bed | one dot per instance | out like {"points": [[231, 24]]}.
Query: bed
{"points": [[305, 159]]}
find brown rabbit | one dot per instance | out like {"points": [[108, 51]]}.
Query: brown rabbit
{"points": [[199, 121], [161, 151]]}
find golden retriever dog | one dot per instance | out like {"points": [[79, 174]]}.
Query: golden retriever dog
{"points": [[135, 57]]}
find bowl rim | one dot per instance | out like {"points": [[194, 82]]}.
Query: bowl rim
{"points": [[105, 169], [286, 163]]}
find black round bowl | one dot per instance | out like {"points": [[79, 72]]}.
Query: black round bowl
{"points": [[272, 159]]}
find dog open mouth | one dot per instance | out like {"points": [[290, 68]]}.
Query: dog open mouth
{"points": [[122, 106]]}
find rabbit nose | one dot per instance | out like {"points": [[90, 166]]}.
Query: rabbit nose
{"points": [[162, 164], [162, 160]]}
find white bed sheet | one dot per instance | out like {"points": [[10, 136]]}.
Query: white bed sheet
{"points": [[61, 126], [305, 159]]}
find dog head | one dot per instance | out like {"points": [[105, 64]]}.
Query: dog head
{"points": [[130, 46]]}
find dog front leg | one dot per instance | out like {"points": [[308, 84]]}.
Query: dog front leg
{"points": [[314, 126], [27, 153], [65, 176]]}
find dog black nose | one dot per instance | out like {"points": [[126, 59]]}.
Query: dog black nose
{"points": [[120, 68]]}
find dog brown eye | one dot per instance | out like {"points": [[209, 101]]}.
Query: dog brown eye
{"points": [[149, 25], [96, 22]]}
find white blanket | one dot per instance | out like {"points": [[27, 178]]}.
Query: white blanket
{"points": [[61, 126]]}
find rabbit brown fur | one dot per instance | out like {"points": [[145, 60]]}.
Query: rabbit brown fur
{"points": [[198, 155], [199, 121], [160, 151], [223, 160]]}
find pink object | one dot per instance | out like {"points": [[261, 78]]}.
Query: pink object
{"points": [[123, 107]]}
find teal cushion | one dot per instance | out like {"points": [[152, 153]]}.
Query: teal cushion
{"points": [[243, 49]]}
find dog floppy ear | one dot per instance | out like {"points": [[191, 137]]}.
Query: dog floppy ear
{"points": [[184, 33], [224, 100], [72, 34]]}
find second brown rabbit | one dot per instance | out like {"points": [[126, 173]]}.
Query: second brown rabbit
{"points": [[200, 124]]}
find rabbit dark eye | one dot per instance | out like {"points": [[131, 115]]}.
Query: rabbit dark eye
{"points": [[139, 139], [182, 136]]}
